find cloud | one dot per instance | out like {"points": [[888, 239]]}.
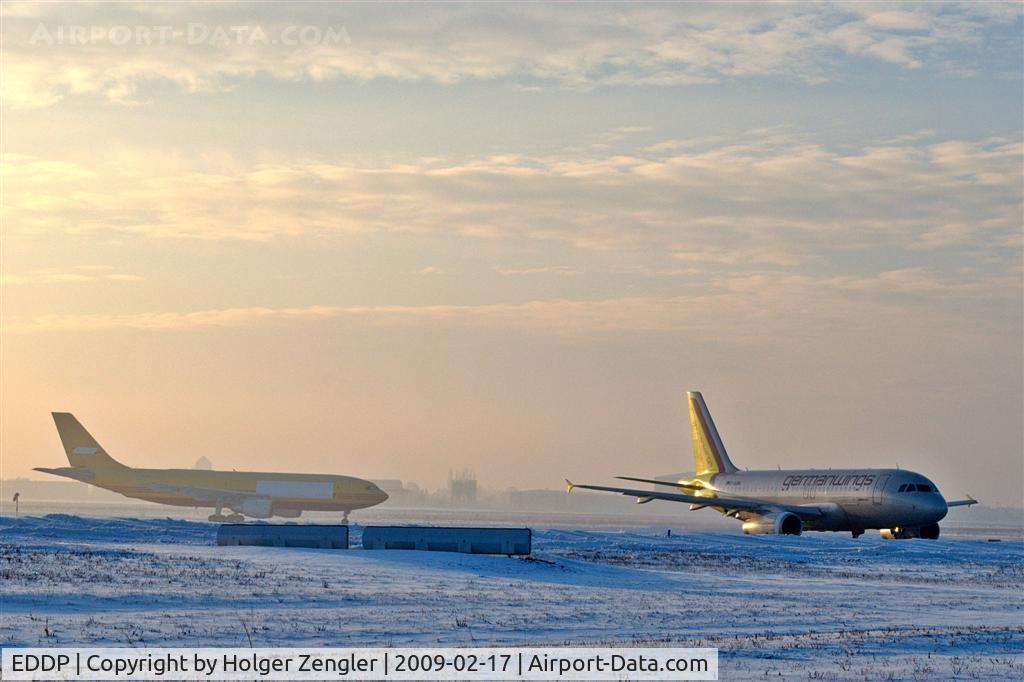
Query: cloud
{"points": [[767, 198], [167, 321], [57, 51], [82, 273], [565, 270], [740, 308]]}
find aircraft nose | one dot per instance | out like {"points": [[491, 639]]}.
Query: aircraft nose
{"points": [[938, 508], [381, 496]]}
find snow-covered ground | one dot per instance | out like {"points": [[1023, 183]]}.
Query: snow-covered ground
{"points": [[819, 605]]}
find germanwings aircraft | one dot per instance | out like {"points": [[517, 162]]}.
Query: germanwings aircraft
{"points": [[901, 504], [257, 495]]}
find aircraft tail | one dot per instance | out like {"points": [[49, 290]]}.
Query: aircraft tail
{"points": [[709, 455], [81, 448]]}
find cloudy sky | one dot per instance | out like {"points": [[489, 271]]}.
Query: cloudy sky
{"points": [[394, 240]]}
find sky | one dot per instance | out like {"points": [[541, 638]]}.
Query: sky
{"points": [[394, 240]]}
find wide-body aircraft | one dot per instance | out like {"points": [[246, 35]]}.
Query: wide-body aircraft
{"points": [[253, 494], [899, 503]]}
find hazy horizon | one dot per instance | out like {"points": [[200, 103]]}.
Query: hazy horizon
{"points": [[396, 240]]}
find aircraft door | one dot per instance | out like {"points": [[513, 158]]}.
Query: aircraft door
{"points": [[876, 495]]}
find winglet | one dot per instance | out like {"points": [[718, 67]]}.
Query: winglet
{"points": [[569, 486]]}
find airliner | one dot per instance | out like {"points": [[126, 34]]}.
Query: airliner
{"points": [[901, 504], [247, 494]]}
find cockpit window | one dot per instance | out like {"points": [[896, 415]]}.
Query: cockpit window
{"points": [[916, 488]]}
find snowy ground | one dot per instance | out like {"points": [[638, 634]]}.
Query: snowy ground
{"points": [[821, 605]]}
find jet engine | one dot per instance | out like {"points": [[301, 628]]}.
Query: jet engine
{"points": [[257, 508], [929, 532], [783, 523]]}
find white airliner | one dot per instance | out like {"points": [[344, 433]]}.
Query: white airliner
{"points": [[900, 504]]}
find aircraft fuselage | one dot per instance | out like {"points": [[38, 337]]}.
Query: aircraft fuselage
{"points": [[851, 499], [289, 492]]}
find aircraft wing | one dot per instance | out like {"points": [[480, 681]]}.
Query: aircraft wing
{"points": [[737, 503], [208, 495], [961, 503]]}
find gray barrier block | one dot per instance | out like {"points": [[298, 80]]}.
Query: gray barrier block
{"points": [[285, 535], [440, 539]]}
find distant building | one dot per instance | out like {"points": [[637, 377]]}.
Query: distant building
{"points": [[462, 486], [203, 463]]}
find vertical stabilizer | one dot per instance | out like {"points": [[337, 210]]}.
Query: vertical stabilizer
{"points": [[709, 455], [81, 448]]}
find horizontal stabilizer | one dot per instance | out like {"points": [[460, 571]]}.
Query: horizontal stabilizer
{"points": [[69, 472], [689, 486], [962, 503]]}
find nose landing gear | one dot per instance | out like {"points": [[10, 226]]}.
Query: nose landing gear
{"points": [[929, 532], [857, 533]]}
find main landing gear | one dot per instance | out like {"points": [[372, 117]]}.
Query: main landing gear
{"points": [[217, 517], [344, 518], [857, 533]]}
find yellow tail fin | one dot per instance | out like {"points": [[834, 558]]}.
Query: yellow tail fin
{"points": [[709, 455], [81, 448]]}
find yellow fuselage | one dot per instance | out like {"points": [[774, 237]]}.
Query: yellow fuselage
{"points": [[313, 492]]}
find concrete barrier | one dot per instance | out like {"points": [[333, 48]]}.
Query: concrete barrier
{"points": [[439, 539], [283, 535]]}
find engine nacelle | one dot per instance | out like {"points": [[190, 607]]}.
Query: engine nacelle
{"points": [[783, 523], [929, 532], [256, 508]]}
